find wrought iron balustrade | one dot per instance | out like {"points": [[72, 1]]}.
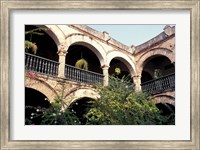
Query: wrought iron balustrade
{"points": [[41, 65], [159, 85], [79, 75]]}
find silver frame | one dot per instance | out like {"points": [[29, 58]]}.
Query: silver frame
{"points": [[193, 6]]}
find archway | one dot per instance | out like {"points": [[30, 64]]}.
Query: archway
{"points": [[166, 104], [42, 86], [157, 66], [169, 54], [34, 100], [127, 61], [167, 111], [78, 51], [80, 107], [167, 97], [119, 69], [90, 43], [46, 46]]}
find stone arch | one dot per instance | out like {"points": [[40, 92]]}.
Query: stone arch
{"points": [[154, 52], [88, 42], [165, 99], [79, 93], [55, 33], [42, 87], [124, 58]]}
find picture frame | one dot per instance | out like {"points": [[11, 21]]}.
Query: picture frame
{"points": [[8, 6]]}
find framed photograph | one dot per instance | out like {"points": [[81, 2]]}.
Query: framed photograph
{"points": [[59, 56]]}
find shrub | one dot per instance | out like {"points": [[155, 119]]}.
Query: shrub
{"points": [[54, 115], [119, 104]]}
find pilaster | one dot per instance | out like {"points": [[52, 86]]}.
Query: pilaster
{"points": [[106, 74], [62, 56], [137, 82]]}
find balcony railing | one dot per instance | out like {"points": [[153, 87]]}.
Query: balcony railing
{"points": [[41, 65], [79, 75], [159, 85], [49, 67]]}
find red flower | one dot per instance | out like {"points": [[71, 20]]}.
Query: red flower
{"points": [[31, 74]]}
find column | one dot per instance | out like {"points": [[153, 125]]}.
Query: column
{"points": [[106, 75], [137, 82], [62, 55]]}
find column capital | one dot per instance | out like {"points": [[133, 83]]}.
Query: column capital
{"points": [[62, 50], [105, 67]]}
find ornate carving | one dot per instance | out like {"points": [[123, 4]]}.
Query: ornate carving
{"points": [[105, 67], [62, 51], [132, 49]]}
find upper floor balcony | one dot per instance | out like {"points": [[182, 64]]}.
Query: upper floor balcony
{"points": [[49, 67], [159, 85]]}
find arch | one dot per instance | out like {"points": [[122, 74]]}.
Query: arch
{"points": [[42, 87], [55, 33], [154, 52], [78, 93], [88, 42], [124, 58], [165, 99], [34, 99]]}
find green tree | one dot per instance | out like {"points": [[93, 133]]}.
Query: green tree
{"points": [[30, 46], [120, 105]]}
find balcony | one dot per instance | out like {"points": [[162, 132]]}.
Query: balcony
{"points": [[159, 85], [41, 65], [48, 67], [80, 75]]}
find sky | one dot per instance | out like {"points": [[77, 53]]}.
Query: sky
{"points": [[130, 34]]}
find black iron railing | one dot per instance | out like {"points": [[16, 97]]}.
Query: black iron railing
{"points": [[159, 85], [79, 75], [49, 67], [41, 65]]}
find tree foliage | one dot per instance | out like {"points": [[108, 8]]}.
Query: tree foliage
{"points": [[120, 105], [30, 46]]}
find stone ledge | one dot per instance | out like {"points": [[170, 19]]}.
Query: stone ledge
{"points": [[162, 36], [102, 36]]}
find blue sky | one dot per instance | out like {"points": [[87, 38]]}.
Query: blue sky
{"points": [[130, 34]]}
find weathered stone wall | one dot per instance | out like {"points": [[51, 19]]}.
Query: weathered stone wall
{"points": [[53, 87], [161, 45], [106, 49], [165, 97]]}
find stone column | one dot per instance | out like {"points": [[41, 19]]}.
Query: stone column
{"points": [[106, 75], [62, 55], [137, 82]]}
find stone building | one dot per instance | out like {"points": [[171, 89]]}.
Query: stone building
{"points": [[51, 72]]}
